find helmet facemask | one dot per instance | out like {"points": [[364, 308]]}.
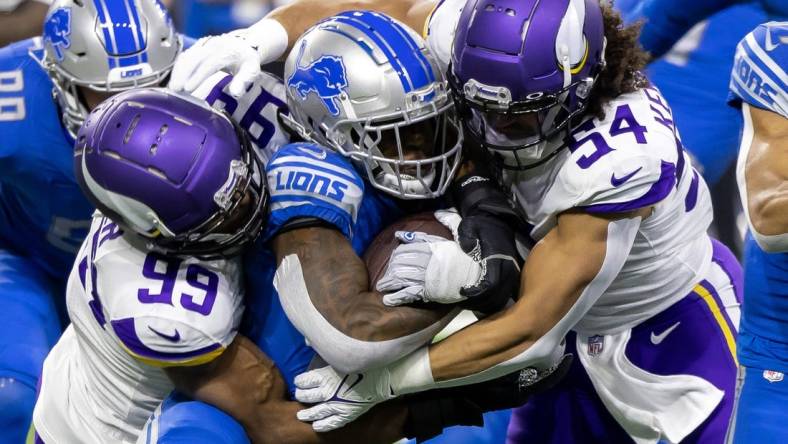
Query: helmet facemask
{"points": [[520, 134], [411, 155]]}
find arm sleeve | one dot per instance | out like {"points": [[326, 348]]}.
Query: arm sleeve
{"points": [[308, 181]]}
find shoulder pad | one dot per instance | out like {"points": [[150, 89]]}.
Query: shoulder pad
{"points": [[759, 69], [308, 181], [167, 343], [629, 160], [165, 310]]}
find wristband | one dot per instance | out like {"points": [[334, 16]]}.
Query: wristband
{"points": [[412, 373]]}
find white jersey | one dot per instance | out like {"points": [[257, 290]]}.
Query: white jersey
{"points": [[632, 159], [256, 111], [132, 312]]}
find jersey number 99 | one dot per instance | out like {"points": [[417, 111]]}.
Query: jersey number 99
{"points": [[197, 277]]}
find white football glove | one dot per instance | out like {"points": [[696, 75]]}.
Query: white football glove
{"points": [[342, 397], [429, 268], [239, 53]]}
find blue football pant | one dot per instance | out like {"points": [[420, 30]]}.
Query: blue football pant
{"points": [[760, 414]]}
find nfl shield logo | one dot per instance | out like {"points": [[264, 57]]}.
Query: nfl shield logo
{"points": [[595, 345], [772, 376]]}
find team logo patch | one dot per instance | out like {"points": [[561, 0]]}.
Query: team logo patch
{"points": [[596, 344], [57, 31], [326, 77], [773, 376]]}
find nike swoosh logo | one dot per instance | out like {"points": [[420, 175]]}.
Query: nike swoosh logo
{"points": [[657, 339], [172, 338], [615, 181], [350, 387], [319, 155]]}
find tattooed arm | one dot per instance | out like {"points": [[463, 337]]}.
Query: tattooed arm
{"points": [[342, 318]]}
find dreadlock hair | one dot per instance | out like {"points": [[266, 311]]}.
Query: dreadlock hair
{"points": [[625, 60]]}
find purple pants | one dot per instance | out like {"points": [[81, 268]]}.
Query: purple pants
{"points": [[702, 344]]}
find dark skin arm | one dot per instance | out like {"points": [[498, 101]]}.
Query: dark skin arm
{"points": [[23, 22], [245, 383], [339, 287]]}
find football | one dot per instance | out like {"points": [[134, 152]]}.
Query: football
{"points": [[377, 255]]}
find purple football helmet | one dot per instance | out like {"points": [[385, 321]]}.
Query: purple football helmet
{"points": [[173, 170], [520, 86]]}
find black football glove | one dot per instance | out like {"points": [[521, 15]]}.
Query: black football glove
{"points": [[431, 411], [488, 234]]}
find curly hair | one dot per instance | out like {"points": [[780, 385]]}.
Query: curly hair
{"points": [[625, 60]]}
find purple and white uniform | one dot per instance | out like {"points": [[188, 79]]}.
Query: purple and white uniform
{"points": [[655, 353], [134, 311]]}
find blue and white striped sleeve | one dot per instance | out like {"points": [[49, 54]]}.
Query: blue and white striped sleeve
{"points": [[759, 69], [306, 180]]}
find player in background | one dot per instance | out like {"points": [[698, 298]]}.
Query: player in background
{"points": [[21, 19], [759, 87], [591, 157], [693, 74], [43, 214]]}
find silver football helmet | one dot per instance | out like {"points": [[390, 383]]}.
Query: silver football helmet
{"points": [[366, 85], [107, 46]]}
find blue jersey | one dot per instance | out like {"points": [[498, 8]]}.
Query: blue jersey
{"points": [[43, 214], [759, 78], [693, 77], [306, 181]]}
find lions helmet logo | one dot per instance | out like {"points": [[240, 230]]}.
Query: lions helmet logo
{"points": [[57, 29], [325, 77]]}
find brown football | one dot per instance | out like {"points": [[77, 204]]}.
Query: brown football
{"points": [[377, 255]]}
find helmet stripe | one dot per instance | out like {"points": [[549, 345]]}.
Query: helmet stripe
{"points": [[411, 43], [122, 30], [396, 49], [142, 44]]}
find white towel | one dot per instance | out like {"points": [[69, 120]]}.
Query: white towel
{"points": [[649, 407]]}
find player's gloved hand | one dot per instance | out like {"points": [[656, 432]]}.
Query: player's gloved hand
{"points": [[487, 233], [427, 268], [239, 53], [342, 397]]}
